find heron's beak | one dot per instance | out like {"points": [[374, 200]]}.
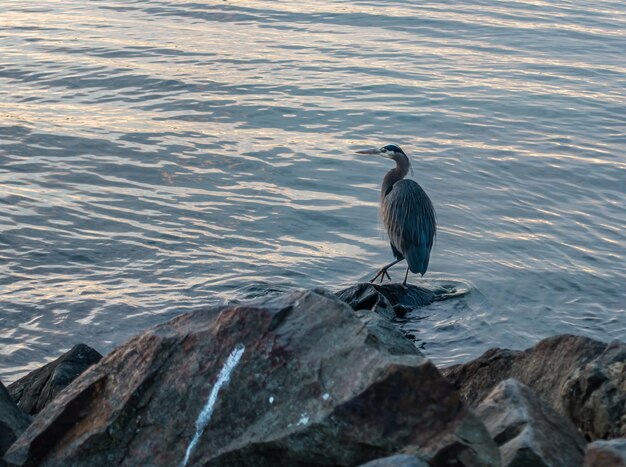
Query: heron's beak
{"points": [[369, 151]]}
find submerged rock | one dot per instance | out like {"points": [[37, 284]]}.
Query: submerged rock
{"points": [[579, 377], [35, 390], [12, 420], [606, 453], [528, 431], [297, 380], [388, 300]]}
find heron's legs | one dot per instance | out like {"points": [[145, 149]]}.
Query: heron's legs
{"points": [[384, 272], [406, 276]]}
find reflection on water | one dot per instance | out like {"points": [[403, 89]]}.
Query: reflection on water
{"points": [[157, 157]]}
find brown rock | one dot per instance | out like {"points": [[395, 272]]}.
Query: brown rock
{"points": [[12, 420], [35, 390], [595, 394], [560, 354], [579, 377], [606, 453], [298, 380], [529, 432]]}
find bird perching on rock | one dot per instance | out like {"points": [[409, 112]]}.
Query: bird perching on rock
{"points": [[408, 215]]}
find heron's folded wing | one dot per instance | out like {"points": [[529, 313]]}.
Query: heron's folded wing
{"points": [[409, 217]]}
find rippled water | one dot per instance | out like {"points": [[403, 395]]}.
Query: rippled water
{"points": [[159, 156]]}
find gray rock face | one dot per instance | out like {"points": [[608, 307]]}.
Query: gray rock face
{"points": [[399, 460], [579, 377], [12, 420], [595, 394], [389, 300], [606, 453], [35, 390], [299, 380], [528, 431]]}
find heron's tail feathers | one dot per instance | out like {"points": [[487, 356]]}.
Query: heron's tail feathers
{"points": [[417, 258]]}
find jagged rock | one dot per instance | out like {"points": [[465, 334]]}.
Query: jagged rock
{"points": [[389, 300], [35, 390], [579, 377], [295, 380], [606, 453], [595, 394], [529, 432], [560, 354], [399, 460], [12, 420]]}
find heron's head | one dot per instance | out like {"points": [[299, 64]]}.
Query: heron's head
{"points": [[390, 151]]}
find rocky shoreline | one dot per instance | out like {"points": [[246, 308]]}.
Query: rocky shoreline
{"points": [[316, 379]]}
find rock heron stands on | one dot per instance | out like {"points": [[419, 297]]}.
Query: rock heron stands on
{"points": [[408, 215]]}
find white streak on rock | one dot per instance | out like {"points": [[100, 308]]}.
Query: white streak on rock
{"points": [[207, 410]]}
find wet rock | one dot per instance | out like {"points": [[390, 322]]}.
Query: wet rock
{"points": [[12, 420], [606, 453], [399, 460], [35, 390], [388, 300], [528, 431], [579, 377], [297, 380]]}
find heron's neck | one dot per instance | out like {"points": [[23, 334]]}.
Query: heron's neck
{"points": [[395, 174]]}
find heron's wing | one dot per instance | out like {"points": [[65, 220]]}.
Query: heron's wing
{"points": [[409, 217]]}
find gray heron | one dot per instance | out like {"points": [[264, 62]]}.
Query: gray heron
{"points": [[407, 213]]}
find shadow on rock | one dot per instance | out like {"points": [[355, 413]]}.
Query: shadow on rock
{"points": [[35, 390], [12, 420]]}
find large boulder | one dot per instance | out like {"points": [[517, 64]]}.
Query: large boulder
{"points": [[579, 377], [12, 420], [295, 380], [529, 432], [35, 390], [606, 453], [388, 300]]}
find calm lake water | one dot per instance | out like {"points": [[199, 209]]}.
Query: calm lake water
{"points": [[161, 156]]}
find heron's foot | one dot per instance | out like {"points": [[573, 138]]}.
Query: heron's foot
{"points": [[382, 273]]}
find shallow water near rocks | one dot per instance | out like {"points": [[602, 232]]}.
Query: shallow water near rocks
{"points": [[161, 156]]}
